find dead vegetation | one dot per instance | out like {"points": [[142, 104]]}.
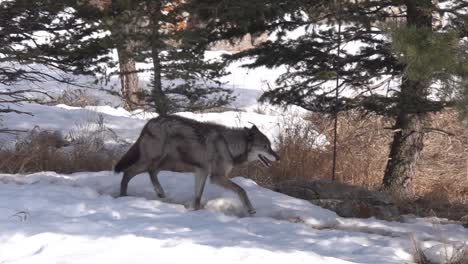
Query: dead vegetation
{"points": [[75, 97], [440, 187], [448, 253], [82, 149]]}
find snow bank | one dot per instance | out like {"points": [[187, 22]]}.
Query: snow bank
{"points": [[52, 218], [127, 125]]}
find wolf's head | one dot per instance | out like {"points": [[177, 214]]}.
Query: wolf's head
{"points": [[260, 147]]}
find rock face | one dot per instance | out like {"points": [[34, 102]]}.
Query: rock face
{"points": [[345, 200]]}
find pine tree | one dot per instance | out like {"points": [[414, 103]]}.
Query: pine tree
{"points": [[190, 82], [43, 34], [141, 31], [392, 56], [149, 31], [120, 18]]}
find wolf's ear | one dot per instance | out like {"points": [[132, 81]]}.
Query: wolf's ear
{"points": [[254, 128]]}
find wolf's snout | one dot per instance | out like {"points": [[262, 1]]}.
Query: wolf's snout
{"points": [[277, 157]]}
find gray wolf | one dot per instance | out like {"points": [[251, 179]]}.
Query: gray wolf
{"points": [[180, 144]]}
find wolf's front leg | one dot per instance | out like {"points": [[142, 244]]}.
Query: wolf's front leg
{"points": [[224, 182], [200, 180], [157, 186]]}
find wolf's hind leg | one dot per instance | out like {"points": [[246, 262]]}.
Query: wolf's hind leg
{"points": [[200, 180], [128, 175], [228, 184], [157, 186]]}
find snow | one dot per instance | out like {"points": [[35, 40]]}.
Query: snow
{"points": [[126, 125], [53, 218], [246, 84], [445, 254]]}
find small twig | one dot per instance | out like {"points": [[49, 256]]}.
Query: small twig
{"points": [[419, 255], [22, 215], [394, 130], [12, 131], [431, 129], [424, 130]]}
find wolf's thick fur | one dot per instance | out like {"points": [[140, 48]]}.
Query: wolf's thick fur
{"points": [[180, 144]]}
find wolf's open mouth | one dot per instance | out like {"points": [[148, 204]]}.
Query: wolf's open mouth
{"points": [[264, 160]]}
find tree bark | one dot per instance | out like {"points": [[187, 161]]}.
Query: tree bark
{"points": [[123, 31], [407, 140], [159, 97], [409, 135], [128, 77]]}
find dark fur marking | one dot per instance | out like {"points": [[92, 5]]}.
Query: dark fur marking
{"points": [[129, 158]]}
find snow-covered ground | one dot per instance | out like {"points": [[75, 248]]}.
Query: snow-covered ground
{"points": [[52, 218]]}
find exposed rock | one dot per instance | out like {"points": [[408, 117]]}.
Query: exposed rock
{"points": [[345, 200]]}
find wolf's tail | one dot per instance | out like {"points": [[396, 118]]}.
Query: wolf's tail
{"points": [[129, 158]]}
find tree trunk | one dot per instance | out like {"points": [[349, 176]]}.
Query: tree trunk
{"points": [[407, 141], [128, 78], [158, 96], [409, 135], [123, 30]]}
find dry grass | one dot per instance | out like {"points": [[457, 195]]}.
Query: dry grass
{"points": [[40, 150], [440, 186], [442, 179], [418, 253], [454, 255], [362, 151], [76, 97]]}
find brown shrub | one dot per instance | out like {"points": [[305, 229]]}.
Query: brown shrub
{"points": [[440, 186], [362, 151], [40, 150], [441, 182]]}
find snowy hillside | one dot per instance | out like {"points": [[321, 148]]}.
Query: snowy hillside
{"points": [[52, 218], [126, 125]]}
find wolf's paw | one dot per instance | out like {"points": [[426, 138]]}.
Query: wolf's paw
{"points": [[192, 207], [252, 211]]}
